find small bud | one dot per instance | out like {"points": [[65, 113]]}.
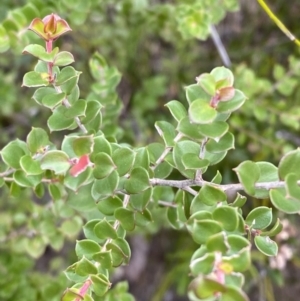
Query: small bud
{"points": [[50, 28]]}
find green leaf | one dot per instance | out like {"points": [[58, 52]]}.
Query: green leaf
{"points": [[13, 152], [83, 145], [58, 121], [109, 205], [24, 180], [268, 173], [101, 145], [105, 187], [40, 52], [100, 284], [289, 164], [54, 192], [74, 183], [40, 93], [126, 218], [259, 218], [189, 129], [104, 166], [123, 159], [104, 230], [57, 161], [192, 161], [86, 248], [239, 201], [227, 216], [35, 79], [63, 58], [71, 227], [201, 112], [143, 218], [181, 148], [84, 267], [120, 251], [248, 173], [139, 201], [240, 261], [4, 40], [214, 130], [282, 203], [222, 73], [217, 243], [276, 229], [69, 294], [53, 99], [104, 258], [138, 180], [217, 179], [203, 265], [142, 158], [208, 83], [194, 92], [233, 104], [92, 110], [76, 109], [266, 245], [211, 195], [205, 287], [225, 143], [37, 140], [177, 109], [292, 187], [65, 75], [233, 293], [202, 230], [174, 217], [166, 131], [81, 200], [35, 246], [30, 166]]}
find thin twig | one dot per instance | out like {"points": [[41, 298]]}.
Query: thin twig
{"points": [[278, 22], [7, 172], [183, 184], [198, 175], [167, 204], [165, 152], [220, 46]]}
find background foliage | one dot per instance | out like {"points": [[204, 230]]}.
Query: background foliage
{"points": [[158, 51]]}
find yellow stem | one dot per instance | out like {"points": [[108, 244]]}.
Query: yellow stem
{"points": [[278, 22]]}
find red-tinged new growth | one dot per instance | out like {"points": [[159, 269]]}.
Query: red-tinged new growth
{"points": [[80, 165], [83, 290], [49, 28]]}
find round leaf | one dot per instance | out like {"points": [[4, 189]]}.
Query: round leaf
{"points": [[290, 164], [138, 180], [282, 203], [211, 195], [104, 166], [248, 173], [37, 139], [57, 161], [259, 218], [227, 216], [265, 245], [201, 112]]}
